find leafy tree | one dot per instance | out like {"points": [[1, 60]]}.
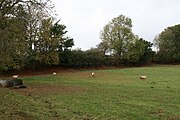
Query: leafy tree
{"points": [[117, 35], [75, 58], [168, 44], [21, 30], [46, 46], [58, 32], [13, 34], [37, 12], [94, 57], [139, 53], [51, 45], [103, 47], [65, 43], [82, 59]]}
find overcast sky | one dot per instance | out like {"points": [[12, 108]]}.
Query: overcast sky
{"points": [[85, 19]]}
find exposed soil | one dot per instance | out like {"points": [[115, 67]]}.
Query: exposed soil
{"points": [[29, 72], [47, 89], [47, 71]]}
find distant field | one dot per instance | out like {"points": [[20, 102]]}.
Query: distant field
{"points": [[113, 94]]}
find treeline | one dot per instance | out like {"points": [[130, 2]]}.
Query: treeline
{"points": [[119, 46], [168, 45], [31, 37]]}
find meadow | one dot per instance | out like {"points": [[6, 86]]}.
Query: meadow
{"points": [[112, 94]]}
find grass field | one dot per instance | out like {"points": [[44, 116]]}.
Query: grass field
{"points": [[113, 94]]}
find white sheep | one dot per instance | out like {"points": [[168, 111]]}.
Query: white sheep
{"points": [[54, 73], [142, 77], [15, 76], [92, 74]]}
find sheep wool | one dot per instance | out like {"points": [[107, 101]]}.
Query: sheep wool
{"points": [[142, 77], [54, 73], [15, 76], [92, 74]]}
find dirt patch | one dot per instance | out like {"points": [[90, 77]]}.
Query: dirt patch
{"points": [[50, 70], [46, 71], [46, 89], [29, 72]]}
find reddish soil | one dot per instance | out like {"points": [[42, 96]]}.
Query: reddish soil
{"points": [[37, 72], [47, 71], [47, 89]]}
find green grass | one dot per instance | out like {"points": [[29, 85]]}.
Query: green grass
{"points": [[114, 94]]}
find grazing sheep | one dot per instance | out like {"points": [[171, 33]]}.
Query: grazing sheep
{"points": [[15, 76], [54, 73], [92, 74], [142, 77]]}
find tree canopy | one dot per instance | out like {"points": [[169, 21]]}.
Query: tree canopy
{"points": [[168, 44], [31, 37], [117, 35], [118, 38], [29, 34]]}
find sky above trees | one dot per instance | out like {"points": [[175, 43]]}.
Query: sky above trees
{"points": [[86, 18]]}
